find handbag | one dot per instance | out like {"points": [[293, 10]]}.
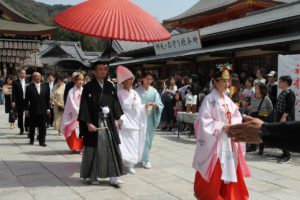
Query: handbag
{"points": [[256, 113], [272, 117], [12, 116]]}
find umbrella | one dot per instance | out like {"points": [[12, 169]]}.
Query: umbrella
{"points": [[113, 20]]}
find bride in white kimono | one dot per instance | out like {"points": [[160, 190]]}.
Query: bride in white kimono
{"points": [[133, 122]]}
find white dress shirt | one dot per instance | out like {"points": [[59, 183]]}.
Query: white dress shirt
{"points": [[38, 87], [51, 86], [23, 86]]}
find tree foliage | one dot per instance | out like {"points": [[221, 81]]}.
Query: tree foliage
{"points": [[43, 13]]}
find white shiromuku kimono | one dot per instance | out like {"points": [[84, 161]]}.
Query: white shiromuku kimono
{"points": [[133, 126], [213, 144]]}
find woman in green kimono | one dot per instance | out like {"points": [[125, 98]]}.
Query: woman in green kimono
{"points": [[151, 98]]}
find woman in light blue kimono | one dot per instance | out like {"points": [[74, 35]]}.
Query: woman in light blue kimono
{"points": [[154, 106]]}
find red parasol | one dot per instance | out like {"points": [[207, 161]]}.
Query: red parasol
{"points": [[114, 20]]}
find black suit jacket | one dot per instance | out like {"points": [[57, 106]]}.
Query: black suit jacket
{"points": [[37, 104], [282, 135], [17, 94]]}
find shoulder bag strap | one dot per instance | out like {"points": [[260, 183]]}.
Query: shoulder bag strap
{"points": [[262, 100]]}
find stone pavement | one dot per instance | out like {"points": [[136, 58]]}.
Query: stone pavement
{"points": [[34, 172]]}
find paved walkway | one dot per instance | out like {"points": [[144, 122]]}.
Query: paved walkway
{"points": [[34, 172]]}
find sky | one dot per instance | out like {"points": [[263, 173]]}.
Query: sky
{"points": [[160, 9]]}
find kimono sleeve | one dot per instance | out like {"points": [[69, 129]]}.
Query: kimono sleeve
{"points": [[236, 117], [207, 123], [84, 114], [282, 135], [158, 110]]}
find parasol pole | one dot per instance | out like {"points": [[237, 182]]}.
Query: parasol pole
{"points": [[109, 50]]}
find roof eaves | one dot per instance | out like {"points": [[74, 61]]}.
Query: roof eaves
{"points": [[199, 9], [9, 9], [272, 15], [53, 45]]}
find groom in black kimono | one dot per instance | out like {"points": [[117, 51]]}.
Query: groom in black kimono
{"points": [[98, 116]]}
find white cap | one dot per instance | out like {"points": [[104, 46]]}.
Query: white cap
{"points": [[75, 74], [123, 74], [272, 73]]}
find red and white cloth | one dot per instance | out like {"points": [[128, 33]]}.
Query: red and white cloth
{"points": [[70, 125]]}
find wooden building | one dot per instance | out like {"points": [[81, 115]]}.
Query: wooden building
{"points": [[19, 38], [248, 42]]}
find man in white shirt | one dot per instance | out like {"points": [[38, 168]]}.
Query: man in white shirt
{"points": [[50, 85]]}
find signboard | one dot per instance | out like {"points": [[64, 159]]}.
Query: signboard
{"points": [[290, 65], [178, 43]]}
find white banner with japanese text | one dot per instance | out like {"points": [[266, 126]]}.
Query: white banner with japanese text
{"points": [[290, 65], [178, 43]]}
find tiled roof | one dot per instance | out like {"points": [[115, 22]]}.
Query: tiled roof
{"points": [[10, 11], [24, 28], [270, 15], [92, 56], [72, 49], [202, 6], [127, 46]]}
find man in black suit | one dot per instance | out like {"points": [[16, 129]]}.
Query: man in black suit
{"points": [[18, 97], [38, 107], [50, 85], [277, 134]]}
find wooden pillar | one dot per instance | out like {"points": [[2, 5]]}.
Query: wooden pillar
{"points": [[236, 68]]}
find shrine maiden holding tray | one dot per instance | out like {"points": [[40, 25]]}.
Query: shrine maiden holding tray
{"points": [[220, 162]]}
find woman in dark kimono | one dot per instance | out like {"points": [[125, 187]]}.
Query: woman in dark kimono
{"points": [[7, 91], [99, 110]]}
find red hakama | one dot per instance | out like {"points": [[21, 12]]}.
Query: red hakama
{"points": [[216, 189], [74, 142]]}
